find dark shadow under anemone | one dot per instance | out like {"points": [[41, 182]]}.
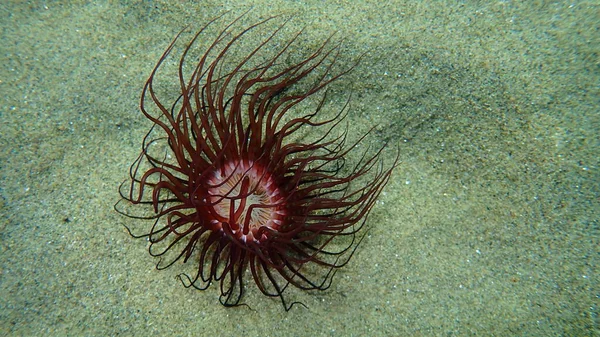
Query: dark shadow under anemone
{"points": [[229, 184]]}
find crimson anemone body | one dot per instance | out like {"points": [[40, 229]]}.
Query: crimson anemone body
{"points": [[229, 184]]}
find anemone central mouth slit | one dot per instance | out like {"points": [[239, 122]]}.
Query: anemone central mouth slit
{"points": [[243, 197]]}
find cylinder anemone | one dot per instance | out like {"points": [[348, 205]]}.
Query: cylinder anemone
{"points": [[226, 176]]}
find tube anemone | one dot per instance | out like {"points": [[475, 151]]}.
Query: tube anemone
{"points": [[228, 180]]}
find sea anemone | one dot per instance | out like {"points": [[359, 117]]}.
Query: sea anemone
{"points": [[230, 183]]}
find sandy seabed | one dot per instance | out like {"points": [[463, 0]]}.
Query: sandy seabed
{"points": [[489, 226]]}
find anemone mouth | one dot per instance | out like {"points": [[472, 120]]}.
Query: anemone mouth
{"points": [[244, 201]]}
